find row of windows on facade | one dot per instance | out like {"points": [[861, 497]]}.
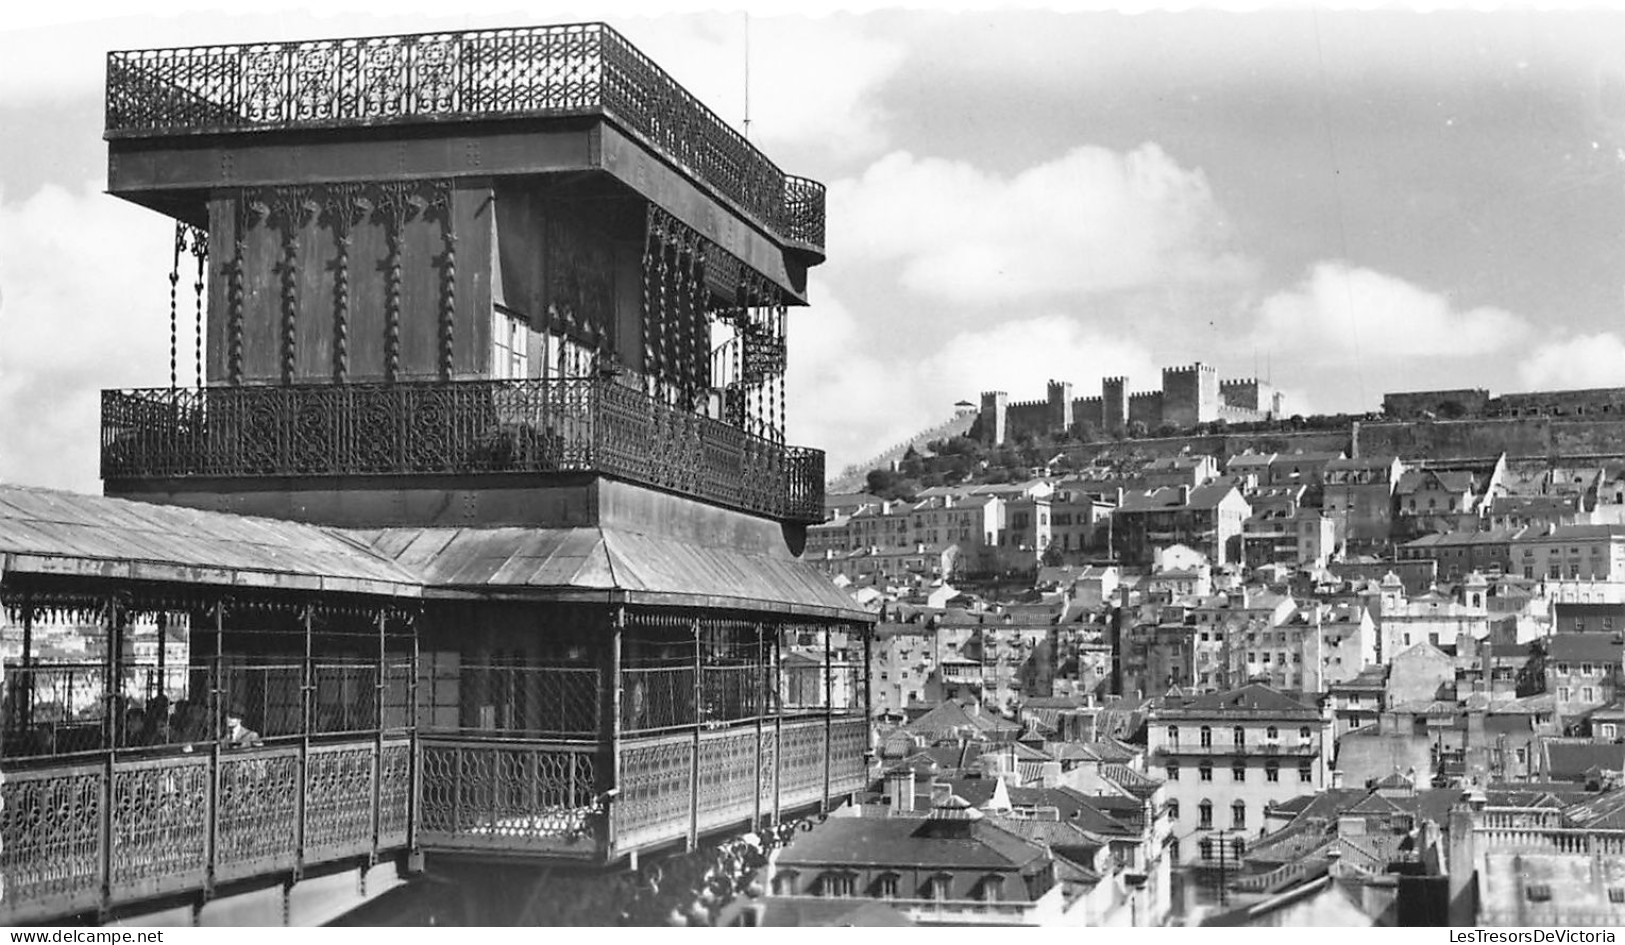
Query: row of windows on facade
{"points": [[1204, 814], [1238, 772], [1587, 694], [1585, 669], [1209, 848], [1238, 735]]}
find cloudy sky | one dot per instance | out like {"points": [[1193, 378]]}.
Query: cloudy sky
{"points": [[1347, 203]]}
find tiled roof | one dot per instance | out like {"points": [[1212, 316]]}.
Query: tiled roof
{"points": [[1573, 761], [1605, 811], [1253, 698], [1585, 647], [948, 716], [909, 842], [1201, 497], [1448, 480], [1574, 533]]}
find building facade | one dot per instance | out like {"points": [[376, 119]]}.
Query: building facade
{"points": [[1226, 757]]}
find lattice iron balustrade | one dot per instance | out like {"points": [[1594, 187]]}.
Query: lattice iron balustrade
{"points": [[56, 857], [258, 819], [555, 425], [802, 758], [848, 756], [535, 797], [52, 853], [727, 785], [656, 785], [556, 71], [338, 800], [160, 817]]}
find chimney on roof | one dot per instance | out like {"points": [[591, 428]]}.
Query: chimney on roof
{"points": [[1337, 778], [1184, 495], [900, 787]]}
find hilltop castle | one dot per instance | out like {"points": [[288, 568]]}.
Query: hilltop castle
{"points": [[1190, 395]]}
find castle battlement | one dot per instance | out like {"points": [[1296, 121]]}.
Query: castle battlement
{"points": [[1190, 394]]}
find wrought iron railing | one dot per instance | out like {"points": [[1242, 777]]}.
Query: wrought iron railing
{"points": [[557, 425], [85, 836], [585, 69], [522, 796]]}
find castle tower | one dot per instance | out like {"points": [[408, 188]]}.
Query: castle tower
{"points": [[1190, 395], [1114, 403], [1060, 405], [994, 416]]}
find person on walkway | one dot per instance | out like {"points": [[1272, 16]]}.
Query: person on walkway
{"points": [[239, 735]]}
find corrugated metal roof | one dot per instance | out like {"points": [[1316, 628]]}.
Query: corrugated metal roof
{"points": [[43, 530], [51, 531], [608, 560]]}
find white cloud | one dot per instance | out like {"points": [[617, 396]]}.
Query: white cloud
{"points": [[813, 84], [1574, 363], [1092, 221], [1340, 315], [83, 305], [853, 398]]}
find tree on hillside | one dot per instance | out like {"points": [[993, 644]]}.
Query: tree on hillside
{"points": [[889, 485], [1137, 430]]}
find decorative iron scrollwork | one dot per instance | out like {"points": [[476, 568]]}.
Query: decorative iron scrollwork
{"points": [[588, 69]]}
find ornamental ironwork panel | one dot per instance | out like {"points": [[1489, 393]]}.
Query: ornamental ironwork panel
{"points": [[767, 771], [587, 69], [439, 815], [338, 801], [656, 784], [763, 352], [727, 784], [539, 798], [160, 826], [801, 763], [554, 425], [51, 829], [848, 761], [257, 828], [394, 794]]}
